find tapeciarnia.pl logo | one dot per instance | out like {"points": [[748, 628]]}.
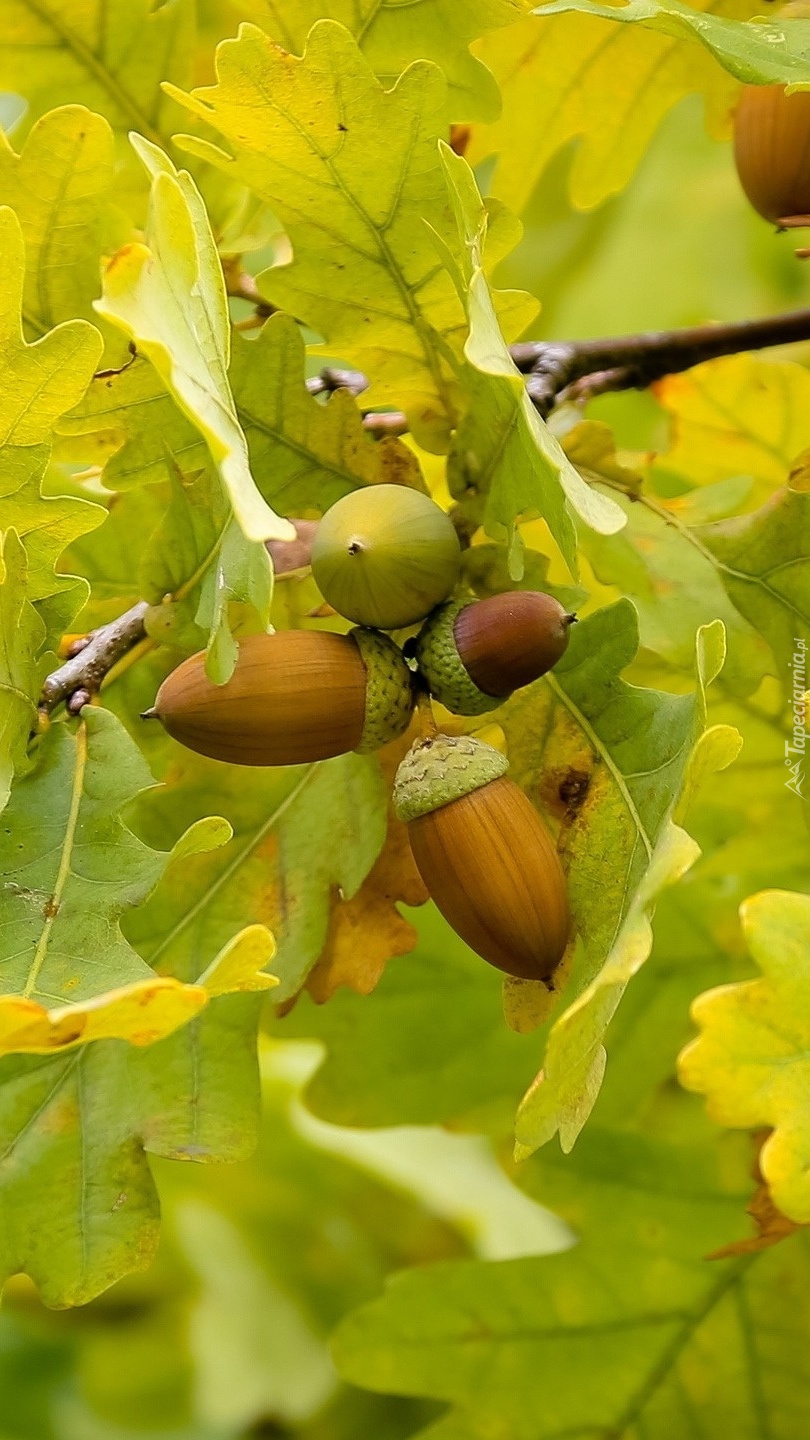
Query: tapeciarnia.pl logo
{"points": [[796, 747]]}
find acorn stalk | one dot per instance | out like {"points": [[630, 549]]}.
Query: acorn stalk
{"points": [[484, 854]]}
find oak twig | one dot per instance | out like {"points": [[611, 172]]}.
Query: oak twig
{"points": [[578, 369], [82, 674], [555, 370]]}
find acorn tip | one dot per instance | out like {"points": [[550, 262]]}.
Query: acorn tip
{"points": [[150, 714]]}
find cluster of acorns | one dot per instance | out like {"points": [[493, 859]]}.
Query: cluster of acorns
{"points": [[386, 558]]}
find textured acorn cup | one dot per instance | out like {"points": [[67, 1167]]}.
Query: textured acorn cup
{"points": [[294, 697], [484, 854], [473, 653], [385, 555]]}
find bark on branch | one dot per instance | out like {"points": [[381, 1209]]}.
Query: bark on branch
{"points": [[555, 370]]}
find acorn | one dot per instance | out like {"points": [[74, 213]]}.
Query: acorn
{"points": [[385, 555], [772, 143], [484, 854], [474, 653], [294, 697]]}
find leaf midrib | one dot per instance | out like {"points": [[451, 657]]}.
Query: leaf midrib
{"points": [[85, 57], [63, 871]]}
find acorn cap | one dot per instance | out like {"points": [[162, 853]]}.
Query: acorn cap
{"points": [[389, 689], [438, 658], [442, 768]]}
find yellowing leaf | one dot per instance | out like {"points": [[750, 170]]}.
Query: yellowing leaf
{"points": [[38, 383], [624, 754], [756, 53], [58, 186], [504, 459], [392, 35], [169, 297], [112, 54], [353, 172], [751, 1058], [737, 416], [142, 1012], [366, 930], [566, 76]]}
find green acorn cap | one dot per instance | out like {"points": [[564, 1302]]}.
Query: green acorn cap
{"points": [[389, 689], [443, 768], [440, 663]]}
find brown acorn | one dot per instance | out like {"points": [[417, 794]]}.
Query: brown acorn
{"points": [[772, 150], [294, 697], [772, 143], [474, 653], [484, 854]]}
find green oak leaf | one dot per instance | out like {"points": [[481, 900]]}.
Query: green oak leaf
{"points": [[113, 54], [22, 633], [71, 868], [675, 581], [359, 165], [504, 460], [750, 1060], [764, 564], [758, 51], [78, 1203], [392, 36], [169, 297], [611, 765], [128, 421], [305, 455], [427, 1047], [630, 1332], [242, 571], [300, 835]]}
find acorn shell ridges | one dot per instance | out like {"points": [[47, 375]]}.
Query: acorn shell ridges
{"points": [[772, 150], [493, 871], [443, 768]]}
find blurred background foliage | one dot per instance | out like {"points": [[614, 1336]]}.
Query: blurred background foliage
{"points": [[226, 1335]]}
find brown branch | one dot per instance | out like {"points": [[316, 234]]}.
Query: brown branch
{"points": [[574, 369], [579, 368], [82, 674], [93, 656]]}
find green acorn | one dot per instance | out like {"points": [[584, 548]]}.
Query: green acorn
{"points": [[474, 653], [484, 854], [385, 555]]}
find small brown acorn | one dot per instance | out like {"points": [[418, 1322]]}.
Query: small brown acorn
{"points": [[294, 697], [474, 653], [484, 854]]}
